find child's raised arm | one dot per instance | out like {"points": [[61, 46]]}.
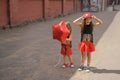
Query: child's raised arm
{"points": [[79, 21], [99, 21]]}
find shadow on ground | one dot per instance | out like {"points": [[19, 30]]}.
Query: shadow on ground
{"points": [[96, 70]]}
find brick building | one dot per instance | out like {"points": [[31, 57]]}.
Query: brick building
{"points": [[19, 11], [14, 12]]}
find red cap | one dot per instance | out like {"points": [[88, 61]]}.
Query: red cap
{"points": [[87, 15]]}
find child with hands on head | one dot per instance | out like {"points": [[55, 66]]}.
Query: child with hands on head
{"points": [[85, 22]]}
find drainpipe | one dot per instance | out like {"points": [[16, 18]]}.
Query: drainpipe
{"points": [[62, 8], [8, 11], [43, 9], [75, 5]]}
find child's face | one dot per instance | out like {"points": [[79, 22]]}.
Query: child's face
{"points": [[88, 20]]}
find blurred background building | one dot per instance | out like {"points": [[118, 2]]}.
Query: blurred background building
{"points": [[14, 12]]}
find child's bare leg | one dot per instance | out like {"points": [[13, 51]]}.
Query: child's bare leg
{"points": [[83, 56], [88, 59], [88, 54], [71, 61], [65, 59]]}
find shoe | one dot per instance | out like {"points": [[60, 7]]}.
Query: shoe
{"points": [[72, 65], [65, 65], [87, 69], [81, 68]]}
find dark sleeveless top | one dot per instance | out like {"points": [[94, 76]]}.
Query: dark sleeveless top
{"points": [[87, 29]]}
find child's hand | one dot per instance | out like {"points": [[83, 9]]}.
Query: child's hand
{"points": [[93, 16], [83, 17], [68, 41]]}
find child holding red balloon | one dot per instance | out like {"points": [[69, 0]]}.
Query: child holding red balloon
{"points": [[86, 45], [66, 49], [63, 33]]}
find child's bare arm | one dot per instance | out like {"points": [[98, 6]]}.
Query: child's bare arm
{"points": [[79, 21], [99, 21], [68, 40]]}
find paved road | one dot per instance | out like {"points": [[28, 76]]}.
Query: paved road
{"points": [[30, 53]]}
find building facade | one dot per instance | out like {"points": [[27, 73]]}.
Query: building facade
{"points": [[14, 12]]}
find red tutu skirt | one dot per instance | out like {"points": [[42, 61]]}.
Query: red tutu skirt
{"points": [[86, 46]]}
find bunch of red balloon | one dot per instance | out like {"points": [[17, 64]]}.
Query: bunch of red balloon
{"points": [[60, 31]]}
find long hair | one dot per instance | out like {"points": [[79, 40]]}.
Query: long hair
{"points": [[84, 24], [69, 27]]}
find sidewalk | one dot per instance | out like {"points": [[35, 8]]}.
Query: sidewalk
{"points": [[106, 58], [117, 7]]}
